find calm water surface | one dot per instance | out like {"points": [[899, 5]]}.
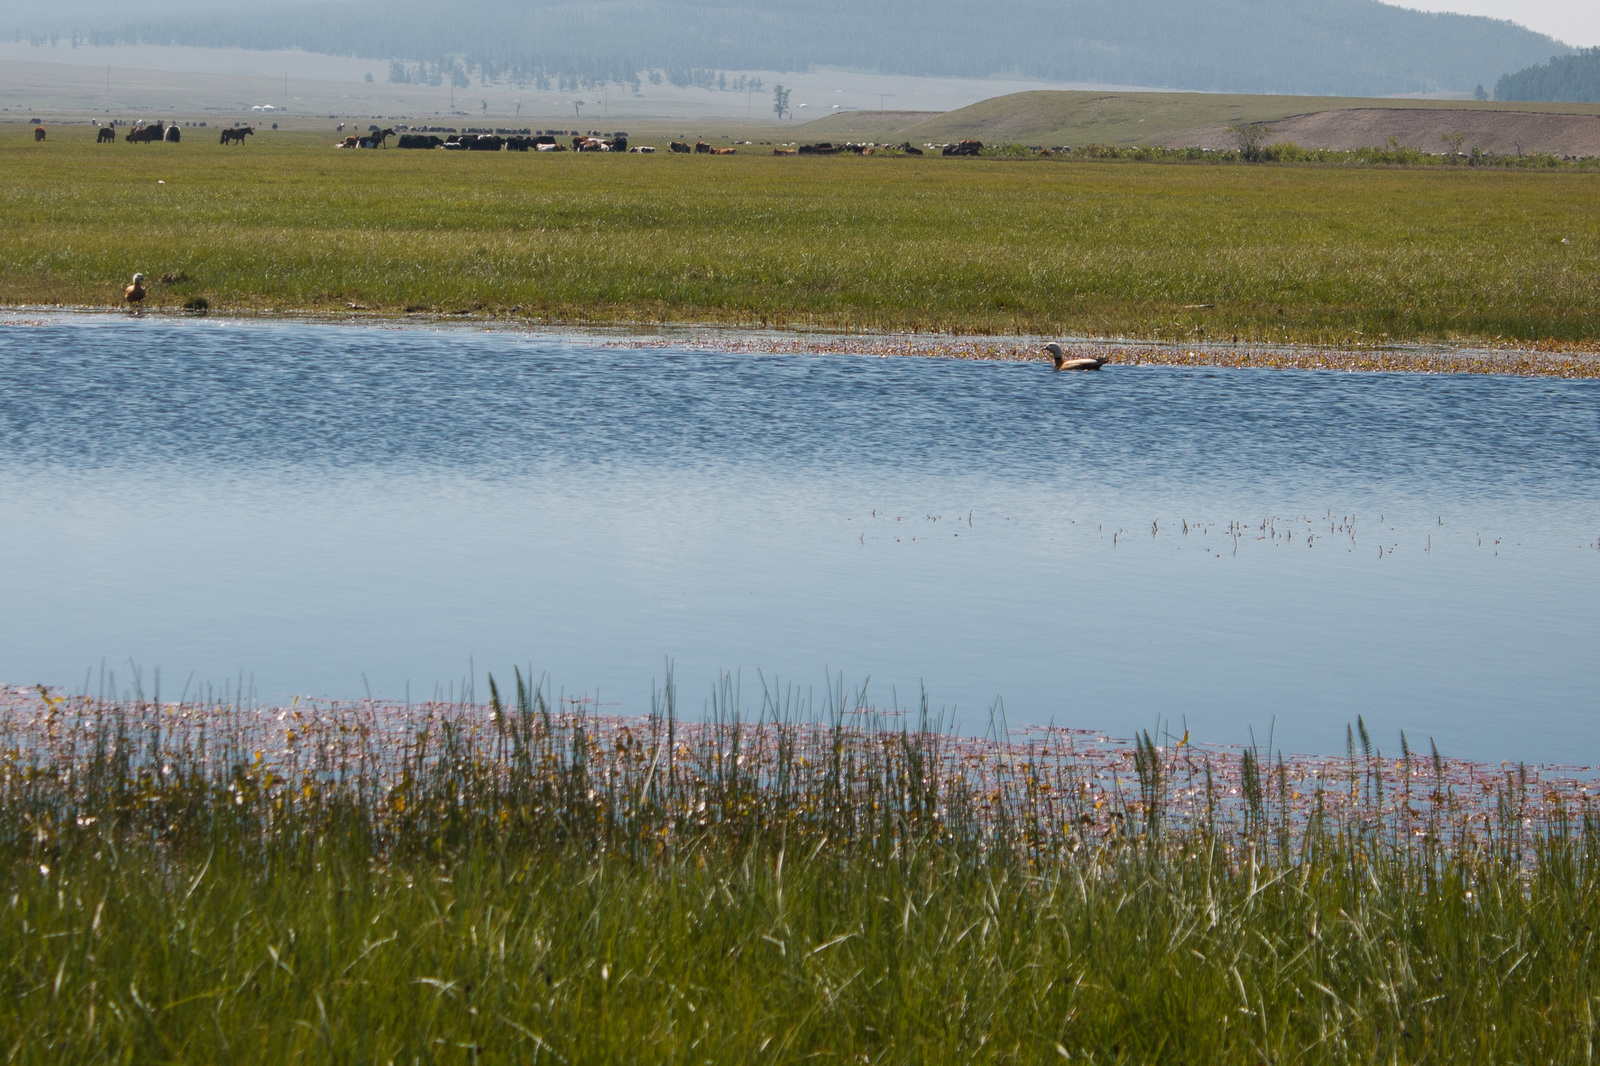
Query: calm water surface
{"points": [[327, 509]]}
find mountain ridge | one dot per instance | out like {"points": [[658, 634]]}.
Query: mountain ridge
{"points": [[1336, 47]]}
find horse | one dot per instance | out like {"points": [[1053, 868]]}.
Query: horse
{"points": [[237, 135], [107, 134], [377, 137]]}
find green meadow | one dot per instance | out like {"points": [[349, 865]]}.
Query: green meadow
{"points": [[1291, 252]]}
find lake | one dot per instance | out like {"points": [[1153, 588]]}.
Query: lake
{"points": [[331, 510]]}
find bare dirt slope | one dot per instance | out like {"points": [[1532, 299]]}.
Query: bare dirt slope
{"points": [[1507, 132]]}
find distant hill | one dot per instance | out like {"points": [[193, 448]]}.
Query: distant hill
{"points": [[1332, 47], [1182, 119], [1573, 78]]}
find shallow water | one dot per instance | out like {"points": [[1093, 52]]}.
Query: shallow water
{"points": [[328, 509]]}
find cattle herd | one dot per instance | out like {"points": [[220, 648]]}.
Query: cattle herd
{"points": [[533, 142], [523, 141]]}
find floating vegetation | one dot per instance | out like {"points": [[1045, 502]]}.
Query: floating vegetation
{"points": [[1549, 360]]}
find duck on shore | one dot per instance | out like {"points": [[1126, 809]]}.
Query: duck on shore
{"points": [[135, 292], [1066, 362]]}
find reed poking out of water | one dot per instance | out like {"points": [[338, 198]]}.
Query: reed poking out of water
{"points": [[524, 880]]}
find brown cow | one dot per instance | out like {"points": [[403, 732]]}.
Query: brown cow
{"points": [[38, 133], [724, 151]]}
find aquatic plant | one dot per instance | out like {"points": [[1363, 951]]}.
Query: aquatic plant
{"points": [[803, 877]]}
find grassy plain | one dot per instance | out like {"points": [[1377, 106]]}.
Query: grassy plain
{"points": [[1308, 253], [205, 883]]}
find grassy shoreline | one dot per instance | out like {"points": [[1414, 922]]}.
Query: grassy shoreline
{"points": [[1171, 253], [461, 883], [1557, 359]]}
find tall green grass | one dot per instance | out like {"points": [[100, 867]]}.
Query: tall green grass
{"points": [[523, 881], [1173, 252]]}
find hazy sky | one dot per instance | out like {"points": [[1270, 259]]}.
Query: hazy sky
{"points": [[1576, 22]]}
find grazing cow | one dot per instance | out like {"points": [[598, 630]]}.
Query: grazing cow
{"points": [[146, 134], [38, 133], [172, 136], [702, 148], [420, 140], [106, 134], [485, 142], [237, 135], [680, 148]]}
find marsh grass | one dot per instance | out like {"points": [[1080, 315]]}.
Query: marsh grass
{"points": [[816, 880], [1308, 253]]}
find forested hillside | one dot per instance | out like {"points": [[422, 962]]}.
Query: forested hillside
{"points": [[1572, 78], [1347, 47]]}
